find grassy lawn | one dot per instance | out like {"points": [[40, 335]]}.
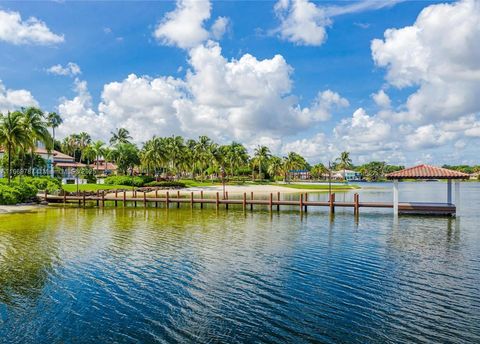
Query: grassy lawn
{"points": [[92, 187], [319, 187]]}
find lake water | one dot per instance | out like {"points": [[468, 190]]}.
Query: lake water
{"points": [[139, 275]]}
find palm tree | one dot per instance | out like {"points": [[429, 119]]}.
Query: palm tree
{"points": [[175, 147], [262, 153], [236, 155], [275, 166], [126, 156], [37, 129], [70, 145], [12, 135], [54, 121], [88, 154], [318, 170], [344, 162], [99, 148], [203, 153], [293, 161], [121, 135], [83, 140]]}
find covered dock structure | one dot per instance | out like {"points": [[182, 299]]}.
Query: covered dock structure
{"points": [[427, 172]]}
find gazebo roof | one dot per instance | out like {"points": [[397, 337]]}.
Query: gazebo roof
{"points": [[427, 172]]}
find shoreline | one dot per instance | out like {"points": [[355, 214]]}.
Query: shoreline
{"points": [[19, 208]]}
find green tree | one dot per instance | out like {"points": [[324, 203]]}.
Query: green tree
{"points": [[12, 136], [261, 155], [344, 162], [293, 161], [126, 156], [37, 129], [121, 135], [54, 121], [275, 166], [98, 147], [318, 171]]}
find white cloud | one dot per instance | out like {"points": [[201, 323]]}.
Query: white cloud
{"points": [[183, 27], [312, 148], [11, 100], [219, 27], [31, 31], [245, 99], [70, 69], [304, 23], [428, 136], [439, 54], [382, 99], [322, 106], [363, 133], [78, 114]]}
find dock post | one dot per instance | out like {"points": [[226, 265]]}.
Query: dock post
{"points": [[124, 198], [116, 194], [144, 199], [84, 198], [166, 200], [217, 201], [270, 202], [135, 196], [191, 200], [98, 196], [244, 201], [301, 202], [278, 200], [395, 197], [332, 203], [201, 199], [251, 198], [103, 198], [356, 206], [46, 195], [178, 197], [64, 196], [306, 200], [226, 198], [156, 198]]}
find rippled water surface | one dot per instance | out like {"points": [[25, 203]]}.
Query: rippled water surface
{"points": [[180, 275]]}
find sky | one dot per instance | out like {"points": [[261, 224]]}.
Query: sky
{"points": [[396, 81]]}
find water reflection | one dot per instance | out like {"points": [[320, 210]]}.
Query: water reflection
{"points": [[183, 275]]}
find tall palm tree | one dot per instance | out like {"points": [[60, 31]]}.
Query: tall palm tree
{"points": [[99, 148], [83, 140], [121, 135], [54, 121], [236, 155], [262, 153], [37, 129], [203, 153], [344, 162], [12, 135], [275, 166]]}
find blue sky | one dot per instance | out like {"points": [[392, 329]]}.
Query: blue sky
{"points": [[111, 40]]}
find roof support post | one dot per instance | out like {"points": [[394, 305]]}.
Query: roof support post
{"points": [[449, 191], [457, 194], [395, 197]]}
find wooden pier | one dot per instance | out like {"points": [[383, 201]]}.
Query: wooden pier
{"points": [[133, 198]]}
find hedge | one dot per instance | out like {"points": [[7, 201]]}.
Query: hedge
{"points": [[25, 189], [128, 181], [166, 184]]}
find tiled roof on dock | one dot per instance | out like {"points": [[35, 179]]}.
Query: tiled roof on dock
{"points": [[427, 172]]}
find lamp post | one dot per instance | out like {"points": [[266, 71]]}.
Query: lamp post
{"points": [[75, 173], [329, 179]]}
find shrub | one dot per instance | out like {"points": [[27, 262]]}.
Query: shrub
{"points": [[166, 184], [9, 195], [137, 181]]}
